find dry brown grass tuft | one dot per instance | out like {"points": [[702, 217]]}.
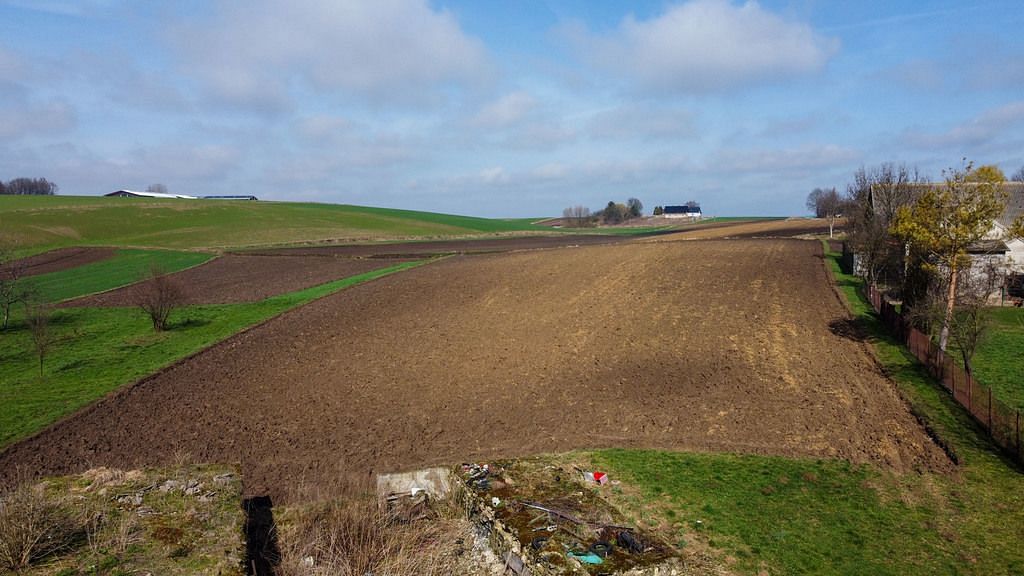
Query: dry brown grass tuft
{"points": [[359, 535], [33, 526]]}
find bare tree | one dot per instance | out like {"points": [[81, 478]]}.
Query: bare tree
{"points": [[12, 289], [635, 206], [31, 187], [38, 318], [968, 325], [158, 296], [874, 197], [157, 188], [1018, 176], [826, 203], [577, 216]]}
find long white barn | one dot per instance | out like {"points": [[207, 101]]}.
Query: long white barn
{"points": [[136, 194]]}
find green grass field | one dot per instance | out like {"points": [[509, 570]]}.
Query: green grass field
{"points": [[102, 349], [793, 516], [39, 223], [999, 362], [126, 267]]}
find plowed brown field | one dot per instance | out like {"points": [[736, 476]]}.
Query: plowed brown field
{"points": [[711, 345], [61, 259], [239, 278]]}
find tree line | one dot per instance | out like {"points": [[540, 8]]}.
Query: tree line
{"points": [[913, 239], [613, 213], [28, 187]]}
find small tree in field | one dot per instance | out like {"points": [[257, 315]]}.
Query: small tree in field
{"points": [[826, 204], [38, 318], [12, 289], [158, 296]]}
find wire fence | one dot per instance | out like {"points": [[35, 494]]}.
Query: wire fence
{"points": [[1001, 421]]}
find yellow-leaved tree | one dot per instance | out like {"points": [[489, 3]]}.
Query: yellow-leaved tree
{"points": [[987, 173], [944, 221]]}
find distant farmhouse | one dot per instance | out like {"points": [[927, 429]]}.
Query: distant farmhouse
{"points": [[135, 194], [1001, 226], [997, 248], [690, 210]]}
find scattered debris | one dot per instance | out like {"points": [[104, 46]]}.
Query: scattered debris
{"points": [[433, 482], [550, 522]]}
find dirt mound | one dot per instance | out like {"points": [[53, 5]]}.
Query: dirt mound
{"points": [[235, 278], [61, 259], [712, 345]]}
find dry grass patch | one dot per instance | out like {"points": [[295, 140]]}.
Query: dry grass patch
{"points": [[359, 534], [35, 525]]}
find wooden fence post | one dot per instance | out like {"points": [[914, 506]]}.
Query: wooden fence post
{"points": [[970, 396]]}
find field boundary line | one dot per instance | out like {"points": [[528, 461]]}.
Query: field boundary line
{"points": [[132, 386]]}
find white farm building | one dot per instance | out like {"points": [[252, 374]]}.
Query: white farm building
{"points": [[135, 194]]}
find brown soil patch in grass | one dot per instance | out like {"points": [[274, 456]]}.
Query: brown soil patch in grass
{"points": [[711, 346], [62, 259]]}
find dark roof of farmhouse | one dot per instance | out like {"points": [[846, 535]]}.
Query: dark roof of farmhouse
{"points": [[1014, 200], [682, 209], [1014, 204], [988, 247]]}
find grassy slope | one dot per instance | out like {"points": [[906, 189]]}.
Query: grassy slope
{"points": [[41, 222], [792, 516], [126, 267], [102, 349], [999, 362]]}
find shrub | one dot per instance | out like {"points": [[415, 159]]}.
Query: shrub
{"points": [[158, 296], [33, 526]]}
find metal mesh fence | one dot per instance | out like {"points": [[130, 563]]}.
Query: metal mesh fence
{"points": [[1001, 421]]}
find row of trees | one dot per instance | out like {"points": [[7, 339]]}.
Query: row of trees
{"points": [[913, 239], [28, 187], [614, 213]]}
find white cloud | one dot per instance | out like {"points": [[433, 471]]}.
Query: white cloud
{"points": [[494, 175], [504, 111], [322, 127], [253, 51], [978, 130], [708, 45], [179, 161], [24, 117], [770, 161], [642, 122]]}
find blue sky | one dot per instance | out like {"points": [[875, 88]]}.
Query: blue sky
{"points": [[512, 108]]}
